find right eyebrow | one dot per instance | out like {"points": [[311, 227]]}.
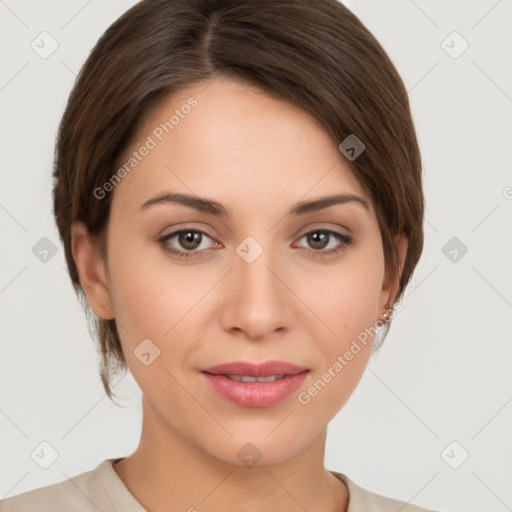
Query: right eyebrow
{"points": [[215, 208]]}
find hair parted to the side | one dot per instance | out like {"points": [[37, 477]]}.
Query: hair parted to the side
{"points": [[315, 54]]}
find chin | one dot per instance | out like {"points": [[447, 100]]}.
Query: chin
{"points": [[258, 446]]}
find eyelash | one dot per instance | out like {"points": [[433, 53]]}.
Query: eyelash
{"points": [[344, 239]]}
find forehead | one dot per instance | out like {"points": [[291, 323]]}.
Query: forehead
{"points": [[232, 140]]}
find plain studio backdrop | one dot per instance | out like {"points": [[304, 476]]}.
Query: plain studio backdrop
{"points": [[431, 418]]}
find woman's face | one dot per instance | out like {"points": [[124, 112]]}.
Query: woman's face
{"points": [[261, 283]]}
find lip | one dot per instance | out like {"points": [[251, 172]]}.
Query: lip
{"points": [[255, 394], [264, 369]]}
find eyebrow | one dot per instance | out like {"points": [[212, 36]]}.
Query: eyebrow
{"points": [[215, 208]]}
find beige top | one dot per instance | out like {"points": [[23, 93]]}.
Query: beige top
{"points": [[101, 489]]}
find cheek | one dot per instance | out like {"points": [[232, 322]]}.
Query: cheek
{"points": [[347, 305], [159, 301], [150, 294], [151, 312], [342, 356], [345, 299]]}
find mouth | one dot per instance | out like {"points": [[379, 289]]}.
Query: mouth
{"points": [[272, 368], [255, 385], [252, 378]]}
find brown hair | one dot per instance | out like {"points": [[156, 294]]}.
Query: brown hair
{"points": [[315, 54]]}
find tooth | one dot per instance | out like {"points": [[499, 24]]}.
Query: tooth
{"points": [[270, 378], [250, 378], [242, 378]]}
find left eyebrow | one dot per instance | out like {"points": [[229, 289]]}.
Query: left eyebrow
{"points": [[198, 203], [217, 209], [324, 202]]}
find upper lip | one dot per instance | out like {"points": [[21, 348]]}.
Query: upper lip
{"points": [[264, 369]]}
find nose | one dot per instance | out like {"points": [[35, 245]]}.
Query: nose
{"points": [[258, 299]]}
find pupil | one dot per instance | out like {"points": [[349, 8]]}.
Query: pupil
{"points": [[319, 239], [192, 238]]}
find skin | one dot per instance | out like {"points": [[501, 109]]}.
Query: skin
{"points": [[257, 156]]}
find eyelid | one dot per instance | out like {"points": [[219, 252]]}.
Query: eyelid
{"points": [[323, 226], [344, 241], [190, 226], [164, 242], [185, 227]]}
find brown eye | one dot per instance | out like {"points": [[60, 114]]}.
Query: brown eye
{"points": [[189, 239], [319, 239], [186, 244]]}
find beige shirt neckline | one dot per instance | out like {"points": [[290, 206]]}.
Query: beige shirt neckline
{"points": [[102, 489], [360, 499]]}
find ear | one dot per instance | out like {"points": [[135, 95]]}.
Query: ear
{"points": [[392, 280], [91, 271]]}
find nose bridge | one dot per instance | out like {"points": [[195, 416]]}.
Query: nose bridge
{"points": [[256, 267], [260, 299]]}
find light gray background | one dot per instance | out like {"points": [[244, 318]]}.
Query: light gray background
{"points": [[444, 372]]}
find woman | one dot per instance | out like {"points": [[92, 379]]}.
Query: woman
{"points": [[238, 191]]}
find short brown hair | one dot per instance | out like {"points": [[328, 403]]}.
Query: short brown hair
{"points": [[315, 54]]}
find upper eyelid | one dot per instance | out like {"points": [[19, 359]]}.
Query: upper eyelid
{"points": [[199, 230], [322, 227], [174, 232]]}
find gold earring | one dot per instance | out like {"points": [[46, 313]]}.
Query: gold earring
{"points": [[385, 316]]}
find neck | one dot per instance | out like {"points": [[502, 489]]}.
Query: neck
{"points": [[168, 471]]}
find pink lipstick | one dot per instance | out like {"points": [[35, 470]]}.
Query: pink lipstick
{"points": [[255, 385]]}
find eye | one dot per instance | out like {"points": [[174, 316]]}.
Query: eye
{"points": [[188, 239], [319, 239]]}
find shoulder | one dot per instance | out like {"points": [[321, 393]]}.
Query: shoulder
{"points": [[363, 500], [85, 492]]}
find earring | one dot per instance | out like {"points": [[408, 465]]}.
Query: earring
{"points": [[385, 316]]}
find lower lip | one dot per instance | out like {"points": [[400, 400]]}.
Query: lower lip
{"points": [[256, 394]]}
